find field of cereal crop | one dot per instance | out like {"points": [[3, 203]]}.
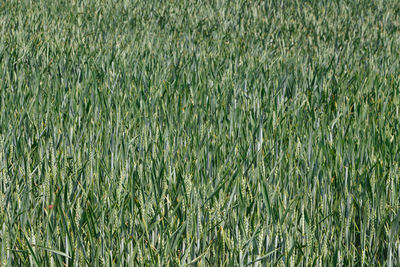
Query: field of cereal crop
{"points": [[201, 133]]}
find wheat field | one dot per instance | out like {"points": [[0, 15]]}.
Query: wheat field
{"points": [[199, 133]]}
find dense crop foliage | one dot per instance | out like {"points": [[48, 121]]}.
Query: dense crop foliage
{"points": [[212, 133]]}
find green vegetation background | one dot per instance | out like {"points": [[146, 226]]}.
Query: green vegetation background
{"points": [[212, 133]]}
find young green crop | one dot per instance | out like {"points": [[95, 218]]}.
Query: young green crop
{"points": [[205, 133]]}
